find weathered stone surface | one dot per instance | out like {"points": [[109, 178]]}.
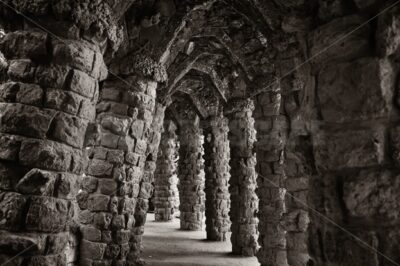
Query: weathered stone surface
{"points": [[9, 147], [45, 154], [387, 34], [69, 129], [25, 120], [359, 90], [349, 149], [340, 49], [82, 84], [12, 243], [25, 44], [37, 182], [373, 195], [74, 54], [47, 214], [65, 101], [92, 250], [11, 208]]}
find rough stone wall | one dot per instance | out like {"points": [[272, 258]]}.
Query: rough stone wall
{"points": [[191, 175], [47, 107], [243, 182], [355, 139], [166, 192], [112, 189], [216, 164]]}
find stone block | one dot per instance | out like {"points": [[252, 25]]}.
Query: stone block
{"points": [[359, 90], [30, 94], [98, 202], [8, 91], [25, 120], [65, 101], [116, 125], [25, 44], [87, 110], [12, 207], [38, 182], [373, 195], [111, 93], [45, 155], [21, 70], [51, 76], [90, 233], [99, 70], [69, 129], [83, 84], [74, 54], [13, 243], [353, 46], [100, 168], [109, 140], [9, 147], [89, 184], [47, 214], [58, 259], [349, 149], [115, 156], [58, 243], [126, 144], [10, 174], [92, 250], [108, 186], [137, 128], [68, 186], [102, 220]]}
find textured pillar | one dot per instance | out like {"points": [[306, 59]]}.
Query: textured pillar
{"points": [[166, 180], [47, 105], [147, 180], [216, 162], [271, 140], [191, 175], [116, 188], [244, 201]]}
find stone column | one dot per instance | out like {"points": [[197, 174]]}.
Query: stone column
{"points": [[114, 194], [216, 161], [147, 180], [191, 175], [271, 139], [47, 105], [244, 201], [166, 180]]}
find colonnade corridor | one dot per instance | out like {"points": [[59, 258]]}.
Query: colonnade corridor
{"points": [[166, 245]]}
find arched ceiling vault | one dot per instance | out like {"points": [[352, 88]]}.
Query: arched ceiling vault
{"points": [[178, 34]]}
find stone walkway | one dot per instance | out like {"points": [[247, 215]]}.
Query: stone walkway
{"points": [[166, 245]]}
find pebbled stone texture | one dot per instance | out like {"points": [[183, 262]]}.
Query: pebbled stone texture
{"points": [[243, 182], [166, 194], [216, 164], [191, 175]]}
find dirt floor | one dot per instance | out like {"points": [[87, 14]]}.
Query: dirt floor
{"points": [[165, 244]]}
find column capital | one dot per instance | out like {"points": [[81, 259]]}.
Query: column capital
{"points": [[237, 105], [215, 121], [93, 19], [140, 65]]}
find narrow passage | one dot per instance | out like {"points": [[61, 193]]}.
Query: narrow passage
{"points": [[166, 245]]}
